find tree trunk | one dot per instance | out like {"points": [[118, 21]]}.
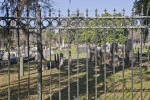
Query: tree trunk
{"points": [[39, 53]]}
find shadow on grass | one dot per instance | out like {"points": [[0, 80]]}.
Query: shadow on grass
{"points": [[64, 82]]}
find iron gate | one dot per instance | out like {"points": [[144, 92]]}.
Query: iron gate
{"points": [[105, 23]]}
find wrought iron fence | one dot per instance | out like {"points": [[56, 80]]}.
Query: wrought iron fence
{"points": [[38, 24]]}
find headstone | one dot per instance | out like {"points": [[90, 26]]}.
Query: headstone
{"points": [[57, 57], [63, 44], [21, 67], [61, 60], [115, 59], [44, 53], [128, 48], [92, 53], [44, 64], [5, 56], [26, 51]]}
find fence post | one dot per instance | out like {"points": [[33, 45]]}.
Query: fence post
{"points": [[18, 42], [39, 52], [8, 23]]}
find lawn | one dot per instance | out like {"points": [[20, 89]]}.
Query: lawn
{"points": [[73, 81]]}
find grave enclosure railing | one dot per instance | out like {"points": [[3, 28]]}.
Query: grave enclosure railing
{"points": [[77, 23]]}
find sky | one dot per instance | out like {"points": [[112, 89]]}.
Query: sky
{"points": [[82, 5]]}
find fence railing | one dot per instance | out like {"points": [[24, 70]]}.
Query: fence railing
{"points": [[101, 26]]}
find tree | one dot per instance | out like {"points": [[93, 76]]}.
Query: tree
{"points": [[109, 32], [143, 6], [17, 9]]}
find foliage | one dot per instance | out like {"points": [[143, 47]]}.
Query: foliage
{"points": [[138, 7], [89, 34], [21, 5], [145, 6]]}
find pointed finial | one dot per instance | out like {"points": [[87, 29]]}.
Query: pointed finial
{"points": [[78, 12], [59, 12], [114, 11], [123, 11], [50, 11], [96, 13], [68, 12], [105, 11], [87, 12], [132, 11]]}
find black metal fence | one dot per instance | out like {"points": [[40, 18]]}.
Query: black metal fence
{"points": [[98, 57]]}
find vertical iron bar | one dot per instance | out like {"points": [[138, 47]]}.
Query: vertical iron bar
{"points": [[18, 54], [50, 40], [69, 56], [87, 76], [69, 62], [96, 57], [114, 44], [28, 36], [77, 58], [59, 69], [39, 51], [142, 31], [50, 67], [105, 63], [9, 37], [59, 59], [123, 62], [87, 57], [77, 67], [114, 50], [132, 52], [141, 64], [123, 23], [105, 84], [132, 64]]}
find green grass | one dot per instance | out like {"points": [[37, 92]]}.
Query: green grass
{"points": [[73, 81], [144, 50]]}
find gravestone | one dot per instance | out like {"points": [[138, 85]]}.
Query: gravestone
{"points": [[115, 53], [13, 58], [57, 58], [44, 64], [21, 67], [61, 60], [128, 48]]}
